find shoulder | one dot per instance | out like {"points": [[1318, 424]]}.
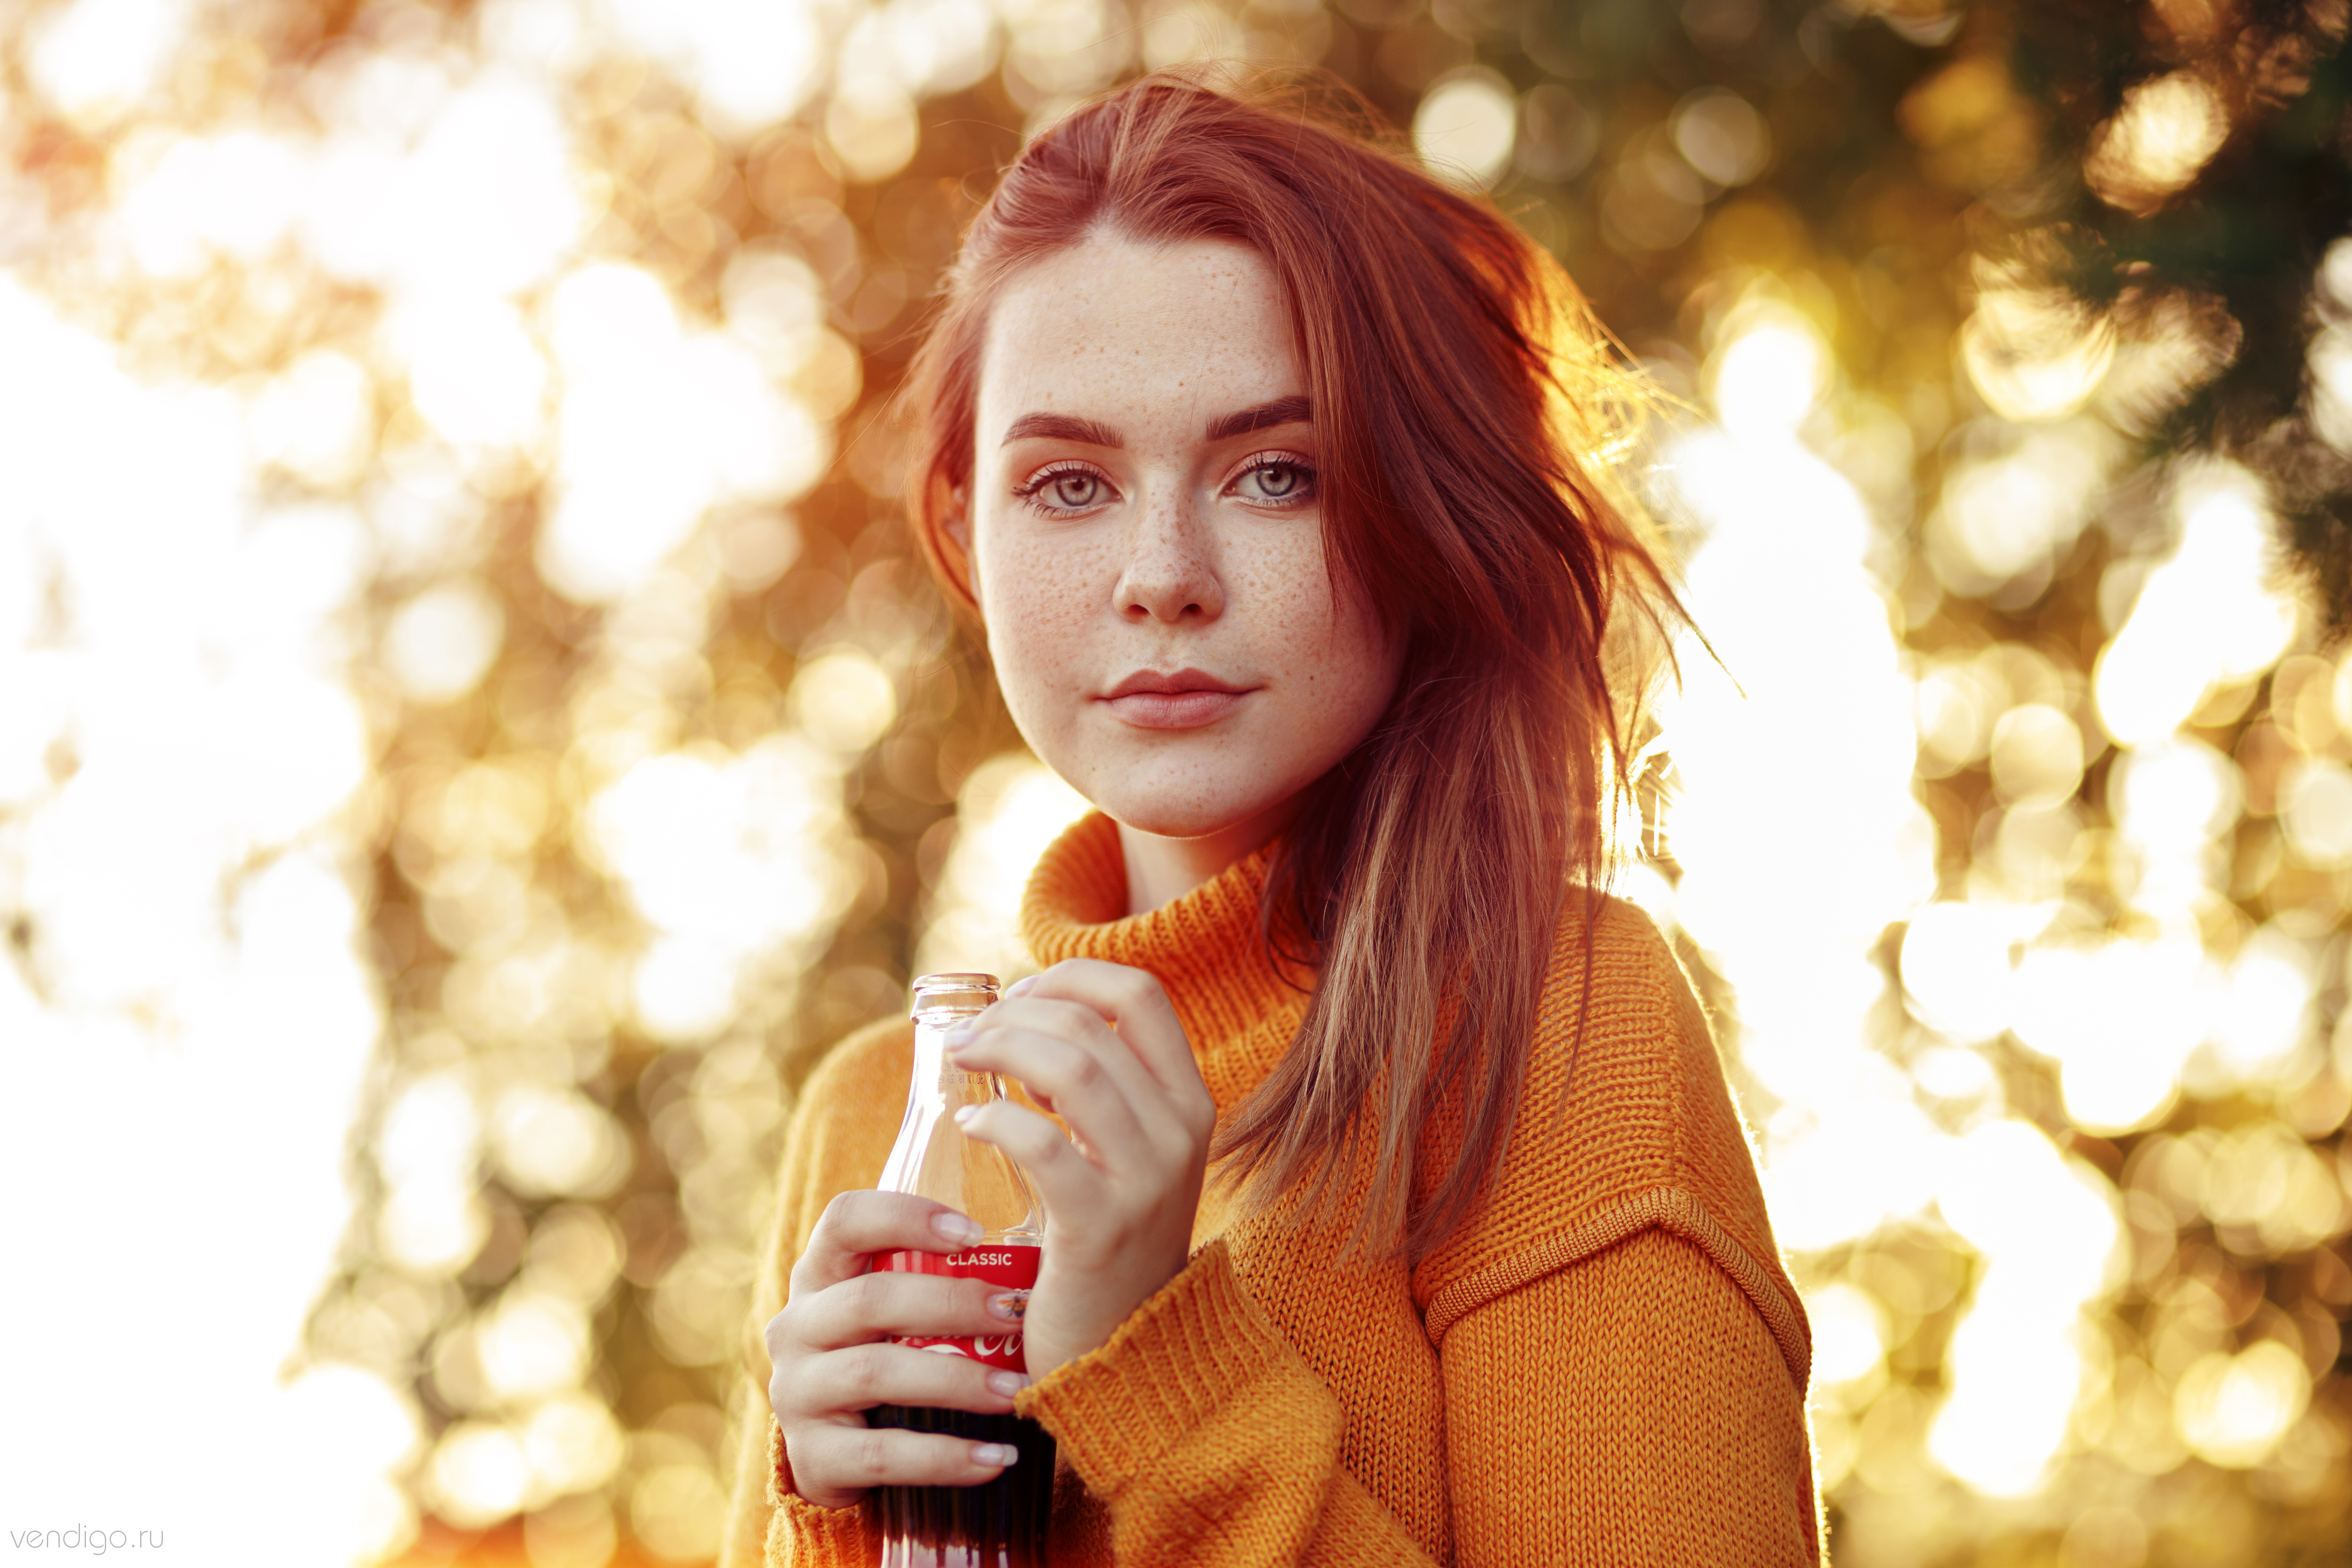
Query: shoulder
{"points": [[1624, 1087], [869, 1062], [1626, 1122]]}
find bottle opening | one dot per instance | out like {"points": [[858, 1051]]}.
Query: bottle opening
{"points": [[953, 995]]}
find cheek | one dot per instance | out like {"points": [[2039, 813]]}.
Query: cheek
{"points": [[1036, 599], [1332, 646]]}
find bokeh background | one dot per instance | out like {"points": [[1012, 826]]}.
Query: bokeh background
{"points": [[473, 726]]}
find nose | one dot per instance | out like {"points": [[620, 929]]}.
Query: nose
{"points": [[1170, 575]]}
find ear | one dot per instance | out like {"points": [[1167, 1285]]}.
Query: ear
{"points": [[957, 522], [951, 505]]}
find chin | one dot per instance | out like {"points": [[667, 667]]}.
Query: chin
{"points": [[1185, 814], [1183, 786], [1178, 824]]}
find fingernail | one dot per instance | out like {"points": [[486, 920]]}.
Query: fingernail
{"points": [[965, 1114], [961, 1034], [955, 1228], [1007, 1383], [994, 1453], [1009, 1305], [1021, 987]]}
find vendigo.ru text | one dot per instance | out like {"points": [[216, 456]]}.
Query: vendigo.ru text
{"points": [[92, 1539]]}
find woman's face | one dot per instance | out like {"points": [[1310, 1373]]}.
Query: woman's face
{"points": [[1148, 541]]}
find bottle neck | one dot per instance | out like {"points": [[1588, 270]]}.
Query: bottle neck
{"points": [[935, 1083]]}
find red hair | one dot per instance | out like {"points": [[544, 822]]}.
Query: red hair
{"points": [[1468, 408]]}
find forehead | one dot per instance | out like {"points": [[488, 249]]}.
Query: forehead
{"points": [[1110, 328]]}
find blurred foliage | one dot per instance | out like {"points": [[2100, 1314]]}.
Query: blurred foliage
{"points": [[585, 317], [2227, 232]]}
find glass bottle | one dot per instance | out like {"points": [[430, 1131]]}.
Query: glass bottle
{"points": [[1000, 1523]]}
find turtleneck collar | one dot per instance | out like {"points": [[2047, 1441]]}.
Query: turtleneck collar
{"points": [[1205, 949]]}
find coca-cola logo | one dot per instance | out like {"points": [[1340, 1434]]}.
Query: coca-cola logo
{"points": [[979, 1347], [1012, 1267]]}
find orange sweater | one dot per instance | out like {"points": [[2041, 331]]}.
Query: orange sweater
{"points": [[1606, 1365]]}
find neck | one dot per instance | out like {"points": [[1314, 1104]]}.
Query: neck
{"points": [[1162, 870]]}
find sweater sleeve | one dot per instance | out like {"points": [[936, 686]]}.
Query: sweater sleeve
{"points": [[1210, 1439], [1576, 1432]]}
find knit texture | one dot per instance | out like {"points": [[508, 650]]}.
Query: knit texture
{"points": [[1607, 1365]]}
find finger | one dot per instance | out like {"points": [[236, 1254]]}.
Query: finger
{"points": [[774, 1335], [1078, 1084], [1137, 1007], [840, 1459], [1072, 1022], [882, 1304], [863, 1376], [1067, 1180], [855, 1226]]}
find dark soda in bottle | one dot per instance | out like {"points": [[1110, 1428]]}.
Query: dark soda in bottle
{"points": [[1000, 1523]]}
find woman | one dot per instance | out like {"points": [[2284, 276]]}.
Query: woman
{"points": [[1275, 473]]}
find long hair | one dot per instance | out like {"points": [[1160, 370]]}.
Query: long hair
{"points": [[1469, 411]]}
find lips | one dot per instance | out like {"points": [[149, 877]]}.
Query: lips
{"points": [[1183, 700]]}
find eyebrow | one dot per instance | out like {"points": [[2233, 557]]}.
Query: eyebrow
{"points": [[1265, 416], [1092, 433], [1062, 427]]}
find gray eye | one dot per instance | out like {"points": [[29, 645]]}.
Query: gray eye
{"points": [[1075, 489], [1277, 482]]}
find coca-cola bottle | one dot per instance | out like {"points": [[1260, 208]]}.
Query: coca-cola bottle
{"points": [[1001, 1523]]}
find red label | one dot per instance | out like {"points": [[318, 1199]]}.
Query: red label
{"points": [[1009, 1268]]}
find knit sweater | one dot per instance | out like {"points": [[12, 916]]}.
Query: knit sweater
{"points": [[1606, 1364]]}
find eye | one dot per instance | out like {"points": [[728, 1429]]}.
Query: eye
{"points": [[1066, 488], [1075, 489], [1276, 479]]}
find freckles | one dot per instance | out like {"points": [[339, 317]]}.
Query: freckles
{"points": [[1290, 587], [1041, 592]]}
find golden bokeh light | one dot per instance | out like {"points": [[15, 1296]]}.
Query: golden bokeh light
{"points": [[2031, 353], [2235, 1410], [473, 726], [2208, 614], [1466, 126], [2164, 132]]}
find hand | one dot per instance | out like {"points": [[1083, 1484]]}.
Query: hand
{"points": [[834, 1358], [1098, 1044]]}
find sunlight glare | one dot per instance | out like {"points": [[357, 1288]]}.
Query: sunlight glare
{"points": [[1008, 811], [750, 62], [2047, 1230], [1768, 376], [95, 58], [2208, 613], [658, 426], [729, 859]]}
